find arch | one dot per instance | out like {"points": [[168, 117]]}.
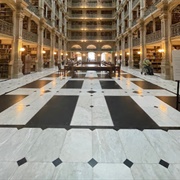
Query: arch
{"points": [[106, 47], [76, 46], [91, 46]]}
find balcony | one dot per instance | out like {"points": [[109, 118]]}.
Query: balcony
{"points": [[75, 37], [134, 3], [126, 13], [48, 2], [91, 4], [47, 42], [136, 42], [6, 28], [134, 22], [151, 8], [153, 37], [175, 30], [27, 35], [91, 15]]}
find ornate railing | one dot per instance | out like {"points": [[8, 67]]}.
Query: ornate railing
{"points": [[134, 22], [135, 2], [151, 8], [48, 2], [156, 36], [76, 15], [175, 29], [49, 22], [56, 45], [126, 13], [75, 37], [47, 42], [30, 36], [126, 45], [91, 4], [77, 4], [6, 28], [33, 9], [136, 42], [91, 15]]}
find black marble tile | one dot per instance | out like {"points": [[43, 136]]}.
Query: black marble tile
{"points": [[146, 85], [171, 101], [73, 84], [54, 75], [56, 113], [37, 84], [7, 101], [129, 76], [125, 113], [79, 76], [128, 163], [164, 163], [57, 162], [103, 76], [109, 85], [21, 161], [92, 162]]}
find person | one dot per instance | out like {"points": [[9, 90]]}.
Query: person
{"points": [[147, 66], [119, 62]]}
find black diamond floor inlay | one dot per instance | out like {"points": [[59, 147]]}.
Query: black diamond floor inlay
{"points": [[146, 85], [75, 84], [109, 85], [37, 84], [21, 161], [128, 163], [164, 163], [91, 92], [92, 162], [57, 162]]}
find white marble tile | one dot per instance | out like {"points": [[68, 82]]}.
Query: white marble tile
{"points": [[34, 171], [150, 172], [6, 133], [77, 146], [82, 113], [111, 172], [174, 169], [166, 147], [107, 147], [48, 146], [101, 116], [7, 169], [175, 134], [91, 74], [16, 147], [137, 148], [73, 171]]}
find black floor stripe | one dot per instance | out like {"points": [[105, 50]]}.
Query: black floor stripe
{"points": [[37, 84], [56, 113], [54, 75], [109, 85], [146, 85], [126, 113], [129, 76], [171, 101], [7, 101], [73, 84]]}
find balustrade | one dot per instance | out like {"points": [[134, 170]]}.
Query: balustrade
{"points": [[47, 42], [135, 2], [156, 36], [48, 2], [30, 36], [6, 28], [134, 22], [175, 29], [33, 9], [151, 8], [136, 42]]}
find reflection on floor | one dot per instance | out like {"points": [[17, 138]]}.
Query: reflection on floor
{"points": [[89, 127]]}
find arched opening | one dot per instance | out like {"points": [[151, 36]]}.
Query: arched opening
{"points": [[106, 56], [91, 56]]}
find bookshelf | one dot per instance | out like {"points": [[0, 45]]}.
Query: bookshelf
{"points": [[155, 57], [6, 13]]}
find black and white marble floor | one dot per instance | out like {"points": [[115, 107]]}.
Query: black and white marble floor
{"points": [[89, 127]]}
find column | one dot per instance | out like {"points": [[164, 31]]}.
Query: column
{"points": [[131, 61], [123, 51], [165, 31], [52, 49], [16, 62], [142, 43], [39, 66]]}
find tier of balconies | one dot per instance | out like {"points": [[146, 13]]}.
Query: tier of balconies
{"points": [[153, 37], [93, 38], [94, 27], [102, 4], [90, 16], [6, 28], [30, 36], [175, 29]]}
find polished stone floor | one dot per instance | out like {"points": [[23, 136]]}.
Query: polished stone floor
{"points": [[89, 127]]}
